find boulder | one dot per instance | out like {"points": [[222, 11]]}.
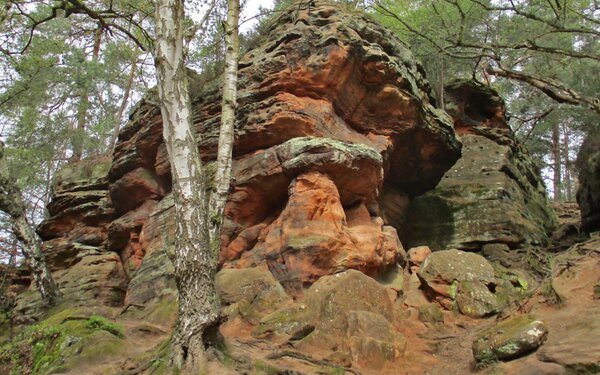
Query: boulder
{"points": [[588, 193], [250, 292], [416, 257], [96, 280], [459, 279], [509, 339], [493, 194], [353, 319]]}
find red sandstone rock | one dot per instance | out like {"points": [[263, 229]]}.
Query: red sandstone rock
{"points": [[314, 236], [345, 82], [416, 256]]}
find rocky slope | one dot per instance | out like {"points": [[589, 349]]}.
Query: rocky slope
{"points": [[338, 141]]}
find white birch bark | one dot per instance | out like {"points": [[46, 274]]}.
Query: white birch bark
{"points": [[194, 265], [198, 216], [226, 135], [11, 202]]}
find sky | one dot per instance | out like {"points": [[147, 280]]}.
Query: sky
{"points": [[250, 10]]}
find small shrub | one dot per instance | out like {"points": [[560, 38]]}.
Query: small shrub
{"points": [[100, 323]]}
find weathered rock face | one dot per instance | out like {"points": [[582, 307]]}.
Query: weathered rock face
{"points": [[334, 116], [75, 237], [588, 194], [493, 194]]}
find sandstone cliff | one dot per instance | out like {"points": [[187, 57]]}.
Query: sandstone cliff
{"points": [[339, 147]]}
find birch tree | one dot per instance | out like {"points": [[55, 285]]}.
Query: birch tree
{"points": [[11, 202], [199, 203]]}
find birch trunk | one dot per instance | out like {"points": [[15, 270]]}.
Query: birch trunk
{"points": [[198, 215], [226, 134], [11, 202], [195, 265]]}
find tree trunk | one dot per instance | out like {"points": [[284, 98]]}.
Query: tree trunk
{"points": [[195, 265], [557, 180], [84, 104], [198, 216], [226, 134], [115, 135], [567, 163], [11, 202]]}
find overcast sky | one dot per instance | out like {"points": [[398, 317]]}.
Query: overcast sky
{"points": [[250, 10]]}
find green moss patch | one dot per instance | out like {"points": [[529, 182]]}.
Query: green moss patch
{"points": [[62, 341], [96, 322]]}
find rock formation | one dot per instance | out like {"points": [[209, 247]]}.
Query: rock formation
{"points": [[336, 134], [493, 194], [588, 194], [303, 207], [74, 239]]}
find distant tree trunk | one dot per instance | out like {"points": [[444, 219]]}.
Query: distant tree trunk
{"points": [[11, 202], [115, 135], [556, 155], [84, 103], [442, 83], [567, 163]]}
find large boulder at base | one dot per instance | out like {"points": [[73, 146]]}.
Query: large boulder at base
{"points": [[251, 292], [96, 280], [353, 319], [459, 279], [588, 194], [493, 194], [509, 339]]}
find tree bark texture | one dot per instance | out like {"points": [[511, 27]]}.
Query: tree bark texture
{"points": [[84, 104], [11, 202], [567, 178], [226, 134], [195, 265], [556, 156]]}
